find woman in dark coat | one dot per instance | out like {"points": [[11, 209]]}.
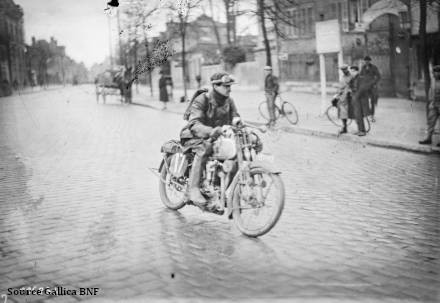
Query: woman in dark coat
{"points": [[163, 93]]}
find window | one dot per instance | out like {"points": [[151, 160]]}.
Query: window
{"points": [[302, 22]]}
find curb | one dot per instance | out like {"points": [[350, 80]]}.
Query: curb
{"points": [[323, 134]]}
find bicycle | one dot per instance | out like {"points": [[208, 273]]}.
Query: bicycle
{"points": [[332, 115], [286, 110]]}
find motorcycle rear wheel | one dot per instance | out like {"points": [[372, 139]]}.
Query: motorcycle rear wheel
{"points": [[165, 190], [240, 207]]}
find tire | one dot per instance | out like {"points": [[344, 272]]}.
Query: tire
{"points": [[166, 200], [332, 115], [290, 112], [264, 112], [238, 211]]}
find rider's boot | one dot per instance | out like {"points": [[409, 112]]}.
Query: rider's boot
{"points": [[194, 181]]}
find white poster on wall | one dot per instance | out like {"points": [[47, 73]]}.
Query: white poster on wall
{"points": [[328, 37]]}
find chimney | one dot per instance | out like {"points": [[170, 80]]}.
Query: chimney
{"points": [[33, 40]]}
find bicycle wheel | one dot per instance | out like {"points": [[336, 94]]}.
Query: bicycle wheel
{"points": [[264, 111], [332, 115], [258, 202], [290, 112]]}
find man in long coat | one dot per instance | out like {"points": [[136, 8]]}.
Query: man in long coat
{"points": [[369, 79], [359, 101]]}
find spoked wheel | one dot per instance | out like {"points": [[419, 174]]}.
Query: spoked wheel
{"points": [[264, 111], [290, 112], [332, 115], [258, 202], [171, 192]]}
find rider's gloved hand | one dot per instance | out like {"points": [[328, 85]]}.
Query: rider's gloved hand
{"points": [[334, 102], [216, 132], [236, 121]]}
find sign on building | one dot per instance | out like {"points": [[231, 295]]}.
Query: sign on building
{"points": [[328, 37], [328, 40]]}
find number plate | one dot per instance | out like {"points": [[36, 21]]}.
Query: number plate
{"points": [[265, 157]]}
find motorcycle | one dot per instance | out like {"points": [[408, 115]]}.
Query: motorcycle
{"points": [[237, 180]]}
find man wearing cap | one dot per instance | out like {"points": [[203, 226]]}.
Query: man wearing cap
{"points": [[369, 78], [342, 99], [271, 87], [434, 105], [207, 114]]}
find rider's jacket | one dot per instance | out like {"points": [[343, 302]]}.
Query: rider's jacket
{"points": [[271, 84], [208, 111]]}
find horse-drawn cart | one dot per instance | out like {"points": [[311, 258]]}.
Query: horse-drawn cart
{"points": [[110, 82]]}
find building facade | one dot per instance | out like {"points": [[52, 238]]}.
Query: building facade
{"points": [[12, 46], [386, 30]]}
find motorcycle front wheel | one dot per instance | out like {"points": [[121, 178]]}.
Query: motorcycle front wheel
{"points": [[258, 202], [171, 195]]}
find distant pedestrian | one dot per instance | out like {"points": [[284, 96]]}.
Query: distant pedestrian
{"points": [[369, 79], [359, 100], [170, 86], [271, 89], [163, 93], [15, 84], [128, 85], [342, 99], [433, 105], [199, 81]]}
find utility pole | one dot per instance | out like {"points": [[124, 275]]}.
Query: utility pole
{"points": [[121, 55], [110, 41]]}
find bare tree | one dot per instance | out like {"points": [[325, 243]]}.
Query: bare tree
{"points": [[215, 26], [137, 14], [273, 16], [183, 9]]}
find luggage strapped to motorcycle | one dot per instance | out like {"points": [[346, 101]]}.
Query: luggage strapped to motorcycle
{"points": [[196, 94], [171, 147]]}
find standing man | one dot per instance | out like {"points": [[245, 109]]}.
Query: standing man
{"points": [[271, 88], [434, 105], [359, 101], [369, 78]]}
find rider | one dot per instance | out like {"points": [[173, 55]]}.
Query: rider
{"points": [[271, 87], [208, 113]]}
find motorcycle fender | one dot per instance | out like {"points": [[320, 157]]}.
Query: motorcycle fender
{"points": [[230, 191], [162, 163], [265, 165]]}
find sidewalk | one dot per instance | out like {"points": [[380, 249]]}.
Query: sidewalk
{"points": [[400, 123]]}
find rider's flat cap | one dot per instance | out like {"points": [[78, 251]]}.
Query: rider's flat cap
{"points": [[367, 58], [222, 78]]}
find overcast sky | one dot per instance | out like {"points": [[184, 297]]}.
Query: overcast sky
{"points": [[80, 25]]}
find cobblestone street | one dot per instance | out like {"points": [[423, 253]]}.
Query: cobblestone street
{"points": [[80, 208]]}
